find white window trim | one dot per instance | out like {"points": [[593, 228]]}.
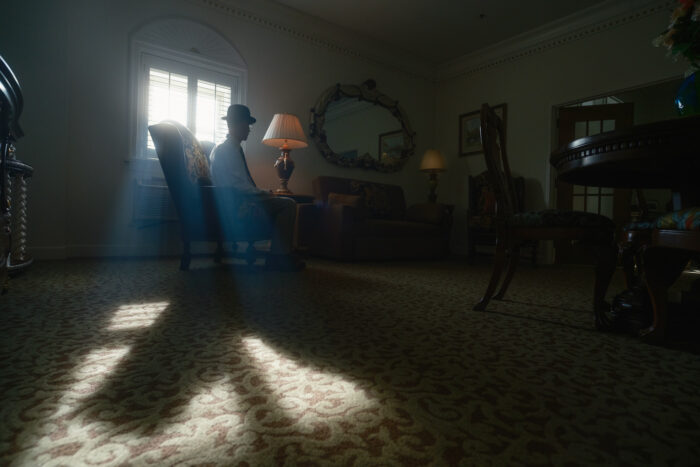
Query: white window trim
{"points": [[142, 54]]}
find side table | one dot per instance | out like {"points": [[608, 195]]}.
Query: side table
{"points": [[296, 197], [305, 220]]}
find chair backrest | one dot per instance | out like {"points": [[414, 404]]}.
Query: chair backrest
{"points": [[196, 214], [482, 196], [494, 143]]}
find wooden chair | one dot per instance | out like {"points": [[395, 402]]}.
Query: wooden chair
{"points": [[662, 249], [481, 214], [515, 228], [207, 213]]}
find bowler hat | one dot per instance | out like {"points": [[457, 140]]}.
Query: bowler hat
{"points": [[237, 113]]}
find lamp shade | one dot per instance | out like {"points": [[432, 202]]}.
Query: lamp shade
{"points": [[433, 161], [285, 131]]}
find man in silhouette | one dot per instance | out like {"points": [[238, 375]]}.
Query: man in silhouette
{"points": [[229, 169]]}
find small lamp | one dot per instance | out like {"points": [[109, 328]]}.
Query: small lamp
{"points": [[433, 162], [285, 132]]}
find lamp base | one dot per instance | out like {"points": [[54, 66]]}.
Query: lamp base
{"points": [[284, 166], [432, 183]]}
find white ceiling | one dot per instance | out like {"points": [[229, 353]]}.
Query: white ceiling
{"points": [[438, 30]]}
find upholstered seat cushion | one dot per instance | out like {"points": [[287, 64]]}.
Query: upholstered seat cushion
{"points": [[556, 218], [640, 225], [685, 219]]}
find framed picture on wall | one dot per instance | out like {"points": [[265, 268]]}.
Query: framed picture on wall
{"points": [[470, 130], [390, 145]]}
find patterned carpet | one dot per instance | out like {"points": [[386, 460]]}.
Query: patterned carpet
{"points": [[136, 363]]}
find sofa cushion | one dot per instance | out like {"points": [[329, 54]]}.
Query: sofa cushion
{"points": [[355, 201], [396, 229], [382, 201], [556, 218], [376, 198], [196, 159], [430, 213]]}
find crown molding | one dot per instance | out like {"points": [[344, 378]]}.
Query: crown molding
{"points": [[319, 33], [590, 21]]}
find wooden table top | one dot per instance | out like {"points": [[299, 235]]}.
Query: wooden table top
{"points": [[663, 154]]}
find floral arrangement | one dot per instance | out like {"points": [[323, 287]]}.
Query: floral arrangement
{"points": [[682, 37]]}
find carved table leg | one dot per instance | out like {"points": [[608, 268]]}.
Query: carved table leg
{"points": [[662, 266]]}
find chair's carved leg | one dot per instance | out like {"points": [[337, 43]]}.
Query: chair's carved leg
{"points": [[513, 258], [499, 259], [186, 256], [605, 268], [219, 253], [662, 267], [627, 257]]}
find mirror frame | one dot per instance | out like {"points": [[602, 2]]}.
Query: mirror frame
{"points": [[368, 92]]}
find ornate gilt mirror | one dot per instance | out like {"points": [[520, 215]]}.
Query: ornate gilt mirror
{"points": [[358, 126]]}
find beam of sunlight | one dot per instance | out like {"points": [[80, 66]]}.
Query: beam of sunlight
{"points": [[136, 316], [303, 393]]}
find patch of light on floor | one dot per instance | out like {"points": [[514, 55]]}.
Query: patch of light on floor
{"points": [[95, 367], [306, 394], [133, 316]]}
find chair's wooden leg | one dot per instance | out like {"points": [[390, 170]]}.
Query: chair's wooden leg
{"points": [[498, 261], [219, 253], [535, 246], [605, 268], [662, 267], [513, 259], [627, 257], [186, 256]]}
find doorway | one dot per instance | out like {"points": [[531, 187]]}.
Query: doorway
{"points": [[587, 117]]}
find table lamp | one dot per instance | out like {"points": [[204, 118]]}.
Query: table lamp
{"points": [[433, 162], [285, 132]]}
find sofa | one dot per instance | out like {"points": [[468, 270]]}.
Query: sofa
{"points": [[361, 220]]}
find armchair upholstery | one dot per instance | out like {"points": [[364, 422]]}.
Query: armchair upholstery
{"points": [[360, 220], [206, 212]]}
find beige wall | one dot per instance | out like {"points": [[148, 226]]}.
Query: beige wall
{"points": [[599, 64], [71, 58]]}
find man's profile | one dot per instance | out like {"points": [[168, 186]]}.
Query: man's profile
{"points": [[229, 169]]}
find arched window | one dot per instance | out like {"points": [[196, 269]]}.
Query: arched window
{"points": [[185, 71]]}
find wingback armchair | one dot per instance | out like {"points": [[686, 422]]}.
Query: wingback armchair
{"points": [[207, 213]]}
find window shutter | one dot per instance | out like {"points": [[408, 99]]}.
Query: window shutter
{"points": [[212, 103], [167, 98]]}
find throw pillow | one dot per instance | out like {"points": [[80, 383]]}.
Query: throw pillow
{"points": [[354, 201], [195, 158], [375, 197]]}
